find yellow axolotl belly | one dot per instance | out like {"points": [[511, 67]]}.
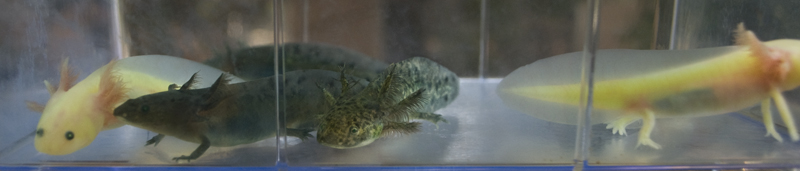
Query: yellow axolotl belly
{"points": [[703, 82], [74, 115]]}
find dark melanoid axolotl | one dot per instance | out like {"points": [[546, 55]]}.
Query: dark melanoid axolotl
{"points": [[229, 115], [410, 89]]}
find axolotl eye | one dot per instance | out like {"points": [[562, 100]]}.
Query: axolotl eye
{"points": [[40, 132], [353, 130], [145, 108], [69, 135]]}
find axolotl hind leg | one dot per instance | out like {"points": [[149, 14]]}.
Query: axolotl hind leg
{"points": [[649, 122], [197, 152]]}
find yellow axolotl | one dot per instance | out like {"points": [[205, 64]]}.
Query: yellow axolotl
{"points": [[709, 81], [75, 114]]}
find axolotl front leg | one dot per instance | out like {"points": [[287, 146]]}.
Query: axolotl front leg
{"points": [[776, 64], [785, 114]]}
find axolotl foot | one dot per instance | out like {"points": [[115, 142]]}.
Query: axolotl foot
{"points": [[197, 152], [648, 142], [303, 134], [619, 125], [430, 117], [438, 118], [184, 157], [155, 140], [648, 123], [648, 118]]}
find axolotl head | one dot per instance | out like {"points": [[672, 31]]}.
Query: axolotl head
{"points": [[60, 131], [349, 126], [160, 111], [75, 114], [170, 111], [790, 47]]}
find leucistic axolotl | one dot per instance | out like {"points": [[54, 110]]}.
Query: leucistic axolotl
{"points": [[410, 89], [649, 84], [75, 114], [228, 115]]}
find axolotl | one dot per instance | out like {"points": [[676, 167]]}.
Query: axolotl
{"points": [[75, 114], [410, 89], [229, 115], [703, 82]]}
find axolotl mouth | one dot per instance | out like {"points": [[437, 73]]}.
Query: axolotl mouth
{"points": [[121, 112], [352, 137], [123, 117]]}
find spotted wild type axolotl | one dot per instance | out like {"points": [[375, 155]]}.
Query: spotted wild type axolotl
{"points": [[409, 89]]}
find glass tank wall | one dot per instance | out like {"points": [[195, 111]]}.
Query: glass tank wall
{"points": [[293, 51], [451, 34], [39, 35], [734, 139]]}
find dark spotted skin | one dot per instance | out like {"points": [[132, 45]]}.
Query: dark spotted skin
{"points": [[409, 89], [228, 115], [258, 62]]}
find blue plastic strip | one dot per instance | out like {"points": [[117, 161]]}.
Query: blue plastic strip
{"points": [[362, 168], [435, 168], [692, 167]]}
